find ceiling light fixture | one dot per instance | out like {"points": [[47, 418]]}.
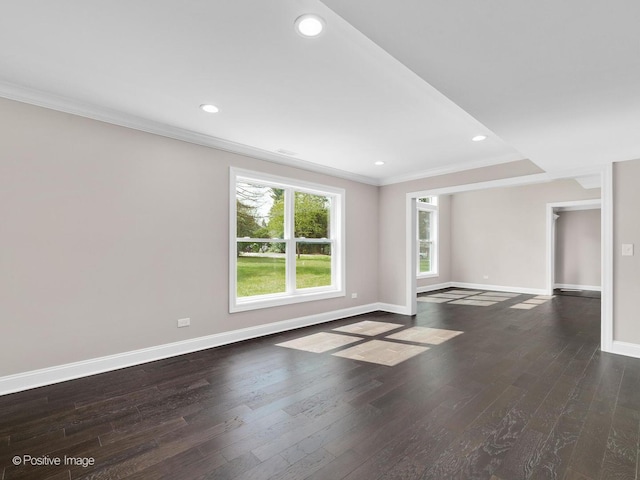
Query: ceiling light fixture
{"points": [[309, 25], [207, 107], [479, 138], [378, 163]]}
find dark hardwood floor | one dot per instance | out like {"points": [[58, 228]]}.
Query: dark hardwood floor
{"points": [[522, 394]]}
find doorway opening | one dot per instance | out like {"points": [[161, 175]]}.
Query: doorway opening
{"points": [[605, 204], [574, 248]]}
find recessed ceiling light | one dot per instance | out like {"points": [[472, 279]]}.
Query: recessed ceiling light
{"points": [[207, 107], [479, 138], [309, 25], [378, 163]]}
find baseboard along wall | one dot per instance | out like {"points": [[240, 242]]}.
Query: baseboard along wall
{"points": [[481, 286], [625, 348], [61, 373], [590, 288], [431, 288]]}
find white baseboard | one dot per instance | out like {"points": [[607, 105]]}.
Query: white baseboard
{"points": [[392, 308], [500, 288], [625, 348], [591, 288], [431, 288], [70, 371]]}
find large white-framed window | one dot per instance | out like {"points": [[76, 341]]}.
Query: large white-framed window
{"points": [[286, 241], [427, 232]]}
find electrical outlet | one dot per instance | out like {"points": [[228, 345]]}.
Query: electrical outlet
{"points": [[627, 249], [184, 322], [486, 277], [354, 295]]}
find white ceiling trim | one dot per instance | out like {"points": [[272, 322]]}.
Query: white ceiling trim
{"points": [[459, 167], [522, 180], [74, 107]]}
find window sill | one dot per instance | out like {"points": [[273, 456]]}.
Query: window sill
{"points": [[278, 301], [427, 275]]}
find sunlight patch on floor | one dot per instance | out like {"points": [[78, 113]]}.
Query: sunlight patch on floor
{"points": [[433, 336], [319, 342], [381, 352], [389, 351], [369, 328]]}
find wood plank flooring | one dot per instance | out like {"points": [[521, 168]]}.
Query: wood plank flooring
{"points": [[521, 394]]}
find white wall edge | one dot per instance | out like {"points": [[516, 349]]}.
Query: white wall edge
{"points": [[431, 288], [61, 373], [550, 237], [625, 348], [591, 288], [606, 221], [411, 254], [500, 288]]}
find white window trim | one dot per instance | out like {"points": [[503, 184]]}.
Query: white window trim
{"points": [[337, 229], [429, 207]]}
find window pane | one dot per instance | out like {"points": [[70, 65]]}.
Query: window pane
{"points": [[260, 211], [287, 238], [311, 215], [424, 225], [260, 268], [425, 256], [425, 241], [313, 265]]}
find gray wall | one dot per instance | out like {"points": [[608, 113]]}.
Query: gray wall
{"points": [[626, 270], [578, 248], [501, 233], [109, 235]]}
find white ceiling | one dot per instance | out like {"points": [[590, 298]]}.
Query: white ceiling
{"points": [[558, 80], [554, 82]]}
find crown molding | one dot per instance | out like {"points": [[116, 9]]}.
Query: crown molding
{"points": [[59, 103], [67, 105]]}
